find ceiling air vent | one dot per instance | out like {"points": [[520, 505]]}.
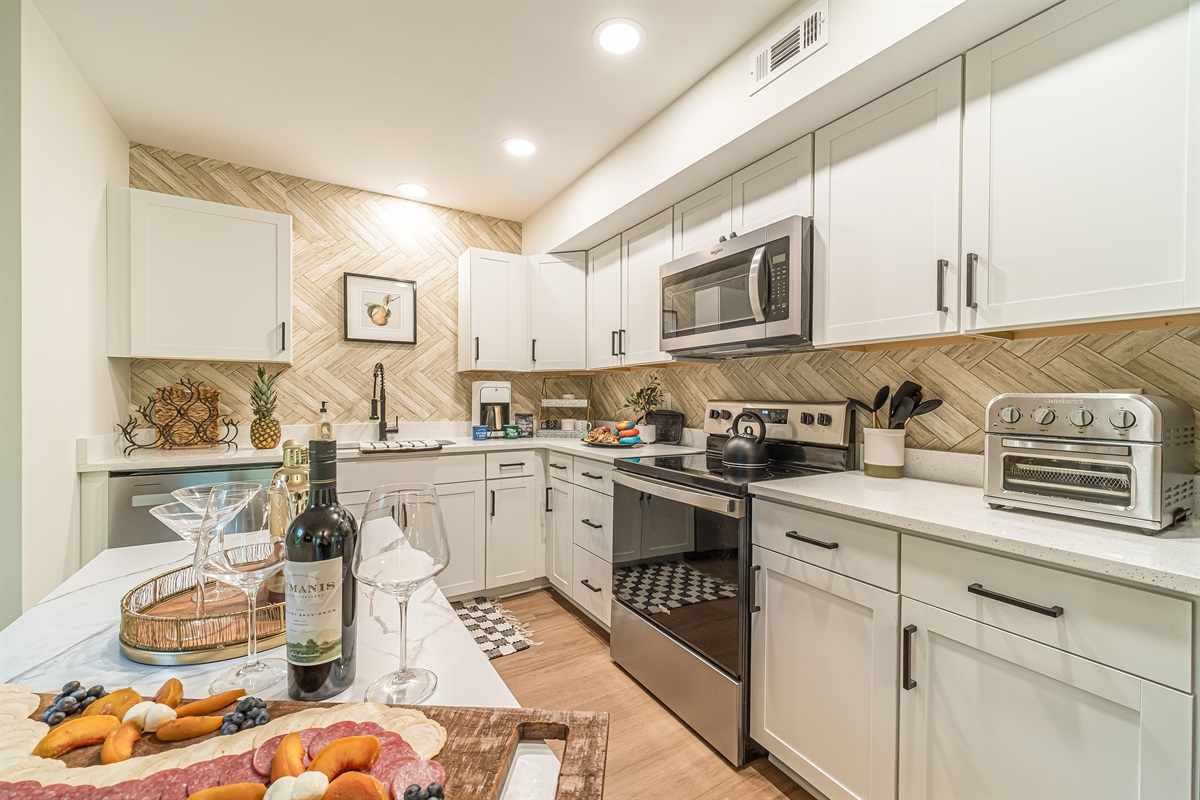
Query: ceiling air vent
{"points": [[790, 46]]}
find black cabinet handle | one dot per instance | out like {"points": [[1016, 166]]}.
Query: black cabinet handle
{"points": [[755, 570], [1048, 611], [476, 348], [806, 540], [510, 466], [621, 340], [942, 266], [614, 344], [558, 466], [972, 265], [533, 353], [493, 512], [283, 336], [549, 494], [589, 586], [591, 524], [590, 475], [906, 680]]}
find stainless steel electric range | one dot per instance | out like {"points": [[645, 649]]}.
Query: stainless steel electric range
{"points": [[681, 561]]}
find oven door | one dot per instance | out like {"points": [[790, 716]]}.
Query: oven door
{"points": [[678, 564]]}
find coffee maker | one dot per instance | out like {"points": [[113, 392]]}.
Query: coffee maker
{"points": [[491, 405]]}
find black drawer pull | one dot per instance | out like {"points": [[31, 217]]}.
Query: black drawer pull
{"points": [[493, 512], [755, 570], [590, 475], [510, 466], [806, 540], [558, 466], [589, 586], [591, 524], [906, 680], [1050, 611], [549, 494]]}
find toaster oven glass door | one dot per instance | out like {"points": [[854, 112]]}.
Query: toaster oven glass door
{"points": [[1109, 483]]}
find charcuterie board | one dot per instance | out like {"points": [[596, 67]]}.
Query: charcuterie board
{"points": [[479, 747]]}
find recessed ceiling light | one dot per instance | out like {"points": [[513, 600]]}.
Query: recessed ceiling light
{"points": [[618, 37], [412, 190], [520, 147]]}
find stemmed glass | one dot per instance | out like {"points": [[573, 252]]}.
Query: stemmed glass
{"points": [[186, 523], [401, 545], [196, 498], [236, 548]]}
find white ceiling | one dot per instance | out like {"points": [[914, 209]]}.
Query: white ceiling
{"points": [[372, 94]]}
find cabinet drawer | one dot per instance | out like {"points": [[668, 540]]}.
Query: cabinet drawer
{"points": [[1141, 632], [592, 522], [559, 466], [516, 464], [364, 474], [592, 475], [865, 552], [589, 573]]}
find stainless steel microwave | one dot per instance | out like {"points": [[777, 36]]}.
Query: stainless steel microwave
{"points": [[747, 295]]}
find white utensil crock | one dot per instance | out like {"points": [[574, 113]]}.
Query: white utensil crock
{"points": [[883, 452]]}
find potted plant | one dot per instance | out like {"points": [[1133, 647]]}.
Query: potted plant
{"points": [[641, 402]]}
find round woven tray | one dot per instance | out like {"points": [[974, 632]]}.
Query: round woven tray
{"points": [[157, 628]]}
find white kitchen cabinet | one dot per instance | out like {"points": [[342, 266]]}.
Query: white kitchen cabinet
{"points": [[886, 215], [773, 188], [823, 676], [559, 532], [592, 584], [558, 312], [1081, 166], [989, 714], [702, 219], [513, 532], [644, 248], [493, 311], [463, 510], [190, 279], [604, 304]]}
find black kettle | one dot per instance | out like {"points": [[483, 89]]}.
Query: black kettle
{"points": [[744, 451]]}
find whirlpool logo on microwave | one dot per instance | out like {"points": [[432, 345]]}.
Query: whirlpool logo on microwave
{"points": [[715, 250]]}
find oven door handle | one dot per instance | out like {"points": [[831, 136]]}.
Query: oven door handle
{"points": [[718, 504], [760, 291], [1067, 447]]}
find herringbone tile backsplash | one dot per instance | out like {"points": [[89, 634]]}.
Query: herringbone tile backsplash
{"points": [[337, 229]]}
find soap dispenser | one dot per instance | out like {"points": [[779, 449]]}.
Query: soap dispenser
{"points": [[324, 427]]}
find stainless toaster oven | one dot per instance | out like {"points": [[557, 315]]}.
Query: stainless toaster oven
{"points": [[1122, 458]]}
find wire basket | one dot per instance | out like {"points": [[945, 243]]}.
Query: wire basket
{"points": [[155, 628]]}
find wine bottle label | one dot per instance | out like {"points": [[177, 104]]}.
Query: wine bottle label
{"points": [[313, 610]]}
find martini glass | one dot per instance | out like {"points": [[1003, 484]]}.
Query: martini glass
{"points": [[196, 498], [185, 522]]}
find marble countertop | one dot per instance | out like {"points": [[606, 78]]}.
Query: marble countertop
{"points": [[72, 635], [1168, 560]]}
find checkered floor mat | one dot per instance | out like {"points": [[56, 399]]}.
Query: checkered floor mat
{"points": [[495, 629], [660, 587]]}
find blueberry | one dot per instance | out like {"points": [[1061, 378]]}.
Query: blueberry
{"points": [[78, 694], [412, 792], [247, 725], [237, 717], [87, 701], [246, 704], [70, 687], [56, 718], [260, 702], [228, 728], [95, 691], [69, 704], [435, 790], [46, 714], [264, 717]]}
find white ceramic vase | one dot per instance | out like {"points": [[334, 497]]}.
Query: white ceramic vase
{"points": [[883, 452]]}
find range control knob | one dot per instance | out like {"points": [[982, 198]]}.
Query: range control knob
{"points": [[1010, 414], [1081, 418], [726, 415], [1043, 416], [824, 419], [714, 414], [806, 418], [1122, 419]]}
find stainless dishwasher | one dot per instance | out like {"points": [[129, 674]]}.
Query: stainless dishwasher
{"points": [[131, 495]]}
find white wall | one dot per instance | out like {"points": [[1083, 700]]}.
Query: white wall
{"points": [[70, 151], [716, 128]]}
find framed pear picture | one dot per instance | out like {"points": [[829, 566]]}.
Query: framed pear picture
{"points": [[380, 309]]}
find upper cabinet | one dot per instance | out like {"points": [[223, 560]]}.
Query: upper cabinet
{"points": [[604, 306], [558, 312], [190, 279], [774, 188], [886, 215], [493, 311], [1081, 166], [644, 248]]}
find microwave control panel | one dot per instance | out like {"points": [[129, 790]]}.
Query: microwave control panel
{"points": [[779, 279]]}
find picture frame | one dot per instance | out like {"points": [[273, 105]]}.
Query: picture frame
{"points": [[376, 308]]}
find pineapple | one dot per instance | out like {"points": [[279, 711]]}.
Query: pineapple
{"points": [[265, 429]]}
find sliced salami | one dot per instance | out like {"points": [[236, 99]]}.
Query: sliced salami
{"points": [[19, 790], [143, 789], [239, 769], [204, 775], [173, 783], [340, 730], [416, 771], [392, 754]]}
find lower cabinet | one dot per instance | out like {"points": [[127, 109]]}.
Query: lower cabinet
{"points": [[989, 714], [511, 550], [592, 584], [823, 676], [463, 509], [559, 523]]}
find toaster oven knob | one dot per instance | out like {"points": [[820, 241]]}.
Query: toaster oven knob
{"points": [[1081, 418], [1010, 414], [1122, 419], [1043, 416]]}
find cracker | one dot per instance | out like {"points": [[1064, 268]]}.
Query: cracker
{"points": [[426, 737]]}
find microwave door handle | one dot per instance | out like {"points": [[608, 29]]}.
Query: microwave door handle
{"points": [[759, 288]]}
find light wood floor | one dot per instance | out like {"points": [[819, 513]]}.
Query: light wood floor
{"points": [[651, 754]]}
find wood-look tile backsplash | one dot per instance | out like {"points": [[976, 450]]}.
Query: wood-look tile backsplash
{"points": [[337, 229]]}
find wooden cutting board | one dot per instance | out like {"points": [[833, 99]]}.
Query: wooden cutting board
{"points": [[479, 749]]}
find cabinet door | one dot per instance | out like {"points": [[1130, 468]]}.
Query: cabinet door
{"points": [[499, 302], [604, 304], [644, 249], [702, 219], [207, 281], [1081, 166], [463, 509], [777, 187], [558, 311], [512, 532], [823, 676], [994, 715], [559, 547], [886, 215]]}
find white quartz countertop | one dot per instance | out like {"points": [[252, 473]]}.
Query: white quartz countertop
{"points": [[1168, 560], [170, 460]]}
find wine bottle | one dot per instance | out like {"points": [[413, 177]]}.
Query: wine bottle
{"points": [[320, 586]]}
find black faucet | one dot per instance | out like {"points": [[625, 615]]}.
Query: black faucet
{"points": [[379, 404]]}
